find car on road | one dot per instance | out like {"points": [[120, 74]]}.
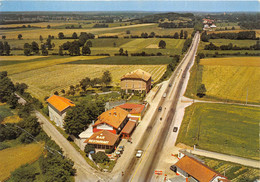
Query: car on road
{"points": [[139, 153], [164, 95], [160, 109], [175, 129], [170, 85]]}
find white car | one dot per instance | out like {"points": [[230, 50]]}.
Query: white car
{"points": [[139, 153]]}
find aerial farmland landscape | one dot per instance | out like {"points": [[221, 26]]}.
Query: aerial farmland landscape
{"points": [[129, 91]]}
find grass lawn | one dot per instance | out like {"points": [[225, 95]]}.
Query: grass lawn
{"points": [[227, 79], [228, 129], [5, 111], [12, 158], [232, 171]]}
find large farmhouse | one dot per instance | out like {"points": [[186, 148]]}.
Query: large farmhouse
{"points": [[58, 107], [112, 120], [139, 80]]}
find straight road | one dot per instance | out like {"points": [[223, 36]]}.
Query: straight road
{"points": [[157, 130]]}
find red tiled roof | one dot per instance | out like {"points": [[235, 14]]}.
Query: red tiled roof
{"points": [[103, 137], [135, 108], [113, 117], [197, 169], [60, 103], [129, 127]]}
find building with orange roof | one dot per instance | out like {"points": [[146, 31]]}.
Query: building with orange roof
{"points": [[135, 110], [195, 170], [112, 120], [139, 80], [58, 107], [103, 140]]}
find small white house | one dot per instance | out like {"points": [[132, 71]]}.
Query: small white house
{"points": [[58, 107]]}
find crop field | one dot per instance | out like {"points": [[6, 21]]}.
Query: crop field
{"points": [[44, 81], [49, 61], [233, 78], [228, 79], [236, 31], [12, 158], [229, 129], [232, 171]]}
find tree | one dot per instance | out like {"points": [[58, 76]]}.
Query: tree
{"points": [[13, 101], [20, 87], [144, 35], [1, 48], [176, 35], [74, 48], [7, 48], [61, 35], [6, 87], [185, 34], [84, 83], [56, 93], [100, 157], [89, 43], [121, 51], [3, 37], [60, 51], [74, 35], [48, 43], [20, 36], [41, 39], [89, 148], [162, 44], [35, 47], [44, 50], [233, 28], [31, 125], [181, 34], [201, 91], [25, 173], [48, 26], [86, 50], [25, 110], [152, 34], [106, 78], [114, 44], [204, 37], [128, 32]]}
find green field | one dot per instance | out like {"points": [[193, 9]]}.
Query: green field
{"points": [[229, 129], [234, 79], [124, 60], [234, 172], [5, 111]]}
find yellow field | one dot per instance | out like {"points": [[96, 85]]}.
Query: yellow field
{"points": [[232, 61], [20, 58], [12, 158], [18, 68], [11, 119], [43, 82], [41, 24], [231, 78]]}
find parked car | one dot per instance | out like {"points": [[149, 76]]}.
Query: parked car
{"points": [[175, 129], [170, 85], [139, 153], [173, 168], [160, 109]]}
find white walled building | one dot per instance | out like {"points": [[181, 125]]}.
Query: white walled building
{"points": [[58, 107]]}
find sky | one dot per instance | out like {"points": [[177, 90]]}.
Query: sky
{"points": [[131, 5]]}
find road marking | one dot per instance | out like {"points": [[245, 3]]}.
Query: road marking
{"points": [[145, 152]]}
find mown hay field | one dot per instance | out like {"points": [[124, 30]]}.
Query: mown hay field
{"points": [[44, 81], [229, 129], [233, 78], [12, 158]]}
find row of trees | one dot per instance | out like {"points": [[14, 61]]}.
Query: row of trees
{"points": [[230, 46], [251, 35], [181, 35], [188, 24]]}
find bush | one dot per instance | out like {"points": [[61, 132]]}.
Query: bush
{"points": [[100, 157], [3, 146], [89, 148], [25, 138], [24, 173], [108, 151]]}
